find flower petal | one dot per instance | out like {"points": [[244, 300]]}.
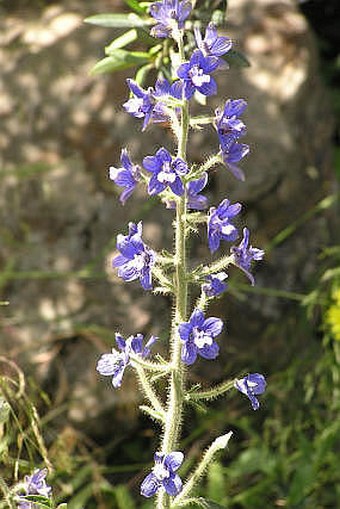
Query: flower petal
{"points": [[213, 326], [209, 352], [189, 353], [173, 485], [149, 486], [174, 460]]}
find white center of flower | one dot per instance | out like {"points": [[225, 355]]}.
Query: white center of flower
{"points": [[201, 339], [161, 472], [139, 261], [198, 77], [166, 175]]}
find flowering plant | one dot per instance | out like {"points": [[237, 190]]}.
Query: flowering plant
{"points": [[178, 184]]}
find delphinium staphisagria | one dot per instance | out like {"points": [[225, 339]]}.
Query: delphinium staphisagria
{"points": [[179, 185]]}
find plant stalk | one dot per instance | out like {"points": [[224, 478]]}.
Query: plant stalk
{"points": [[176, 392]]}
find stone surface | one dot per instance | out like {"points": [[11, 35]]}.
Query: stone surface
{"points": [[61, 128]]}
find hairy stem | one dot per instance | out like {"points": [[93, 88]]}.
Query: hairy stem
{"points": [[176, 392], [148, 390]]}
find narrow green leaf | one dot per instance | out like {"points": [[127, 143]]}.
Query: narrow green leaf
{"points": [[120, 59], [130, 20], [142, 73], [136, 6], [122, 41]]}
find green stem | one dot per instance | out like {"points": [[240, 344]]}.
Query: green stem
{"points": [[148, 365], [176, 393], [148, 390], [217, 266], [212, 393]]}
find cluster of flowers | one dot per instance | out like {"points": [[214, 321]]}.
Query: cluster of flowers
{"points": [[172, 178]]}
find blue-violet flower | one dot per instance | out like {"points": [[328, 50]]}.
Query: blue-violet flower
{"points": [[136, 258], [127, 176], [252, 385], [198, 336], [148, 103], [34, 484], [214, 284], [245, 254], [170, 15], [114, 363], [195, 200], [232, 154], [230, 128], [212, 44], [166, 172], [219, 225], [196, 74], [163, 475]]}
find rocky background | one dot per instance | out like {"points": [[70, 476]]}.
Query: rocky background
{"points": [[61, 128]]}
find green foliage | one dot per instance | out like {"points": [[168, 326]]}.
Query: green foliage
{"points": [[120, 59]]}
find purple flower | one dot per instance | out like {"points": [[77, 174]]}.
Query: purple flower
{"points": [[198, 336], [147, 104], [170, 14], [230, 128], [219, 225], [197, 201], [245, 254], [212, 44], [127, 176], [34, 484], [232, 154], [214, 284], [196, 74], [114, 363], [136, 258], [251, 385], [166, 171], [163, 475]]}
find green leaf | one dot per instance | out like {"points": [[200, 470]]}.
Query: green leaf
{"points": [[122, 41], [130, 20], [136, 6], [120, 59], [142, 73]]}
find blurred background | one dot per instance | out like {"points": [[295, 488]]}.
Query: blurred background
{"points": [[61, 127]]}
